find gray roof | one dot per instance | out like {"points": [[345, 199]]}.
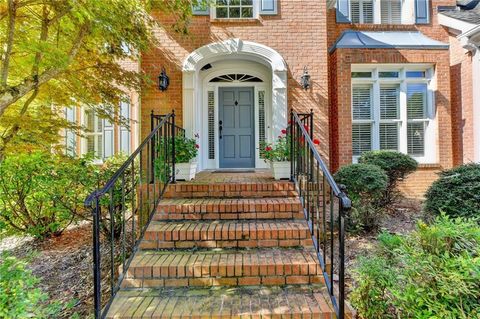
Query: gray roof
{"points": [[386, 40], [467, 10]]}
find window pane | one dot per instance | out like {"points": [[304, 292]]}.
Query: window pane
{"points": [[222, 12], [389, 102], [89, 121], [362, 102], [234, 13], [234, 2], [389, 136], [361, 138], [247, 2], [361, 11], [416, 139], [415, 74], [356, 75], [222, 2], [389, 74], [247, 12], [367, 11], [416, 101]]}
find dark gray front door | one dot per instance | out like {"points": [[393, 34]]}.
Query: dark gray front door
{"points": [[237, 128]]}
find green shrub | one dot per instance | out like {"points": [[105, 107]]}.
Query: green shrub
{"points": [[20, 296], [278, 151], [434, 272], [365, 185], [456, 192], [396, 165], [41, 193]]}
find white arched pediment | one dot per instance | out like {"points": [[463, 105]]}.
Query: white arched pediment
{"points": [[212, 51]]}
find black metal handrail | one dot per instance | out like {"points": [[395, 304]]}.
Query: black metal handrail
{"points": [[325, 206], [123, 208]]}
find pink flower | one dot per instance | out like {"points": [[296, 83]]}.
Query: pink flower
{"points": [[284, 131], [197, 146], [316, 141]]}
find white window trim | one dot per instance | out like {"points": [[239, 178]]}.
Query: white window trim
{"points": [[256, 12], [408, 12], [430, 153]]}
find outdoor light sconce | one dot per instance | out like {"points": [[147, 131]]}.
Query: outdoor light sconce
{"points": [[305, 79], [163, 80]]}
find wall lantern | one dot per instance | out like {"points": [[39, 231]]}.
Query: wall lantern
{"points": [[305, 79], [163, 80]]}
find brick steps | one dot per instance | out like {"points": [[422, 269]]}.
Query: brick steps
{"points": [[223, 268], [231, 190], [226, 234], [229, 209], [244, 302]]}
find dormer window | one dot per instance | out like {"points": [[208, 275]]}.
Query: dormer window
{"points": [[236, 9]]}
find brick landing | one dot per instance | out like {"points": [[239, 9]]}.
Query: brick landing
{"points": [[226, 245]]}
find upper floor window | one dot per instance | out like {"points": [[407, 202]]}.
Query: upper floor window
{"points": [[383, 11], [235, 9], [392, 109]]}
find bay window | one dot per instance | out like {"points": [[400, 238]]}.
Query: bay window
{"points": [[392, 109]]}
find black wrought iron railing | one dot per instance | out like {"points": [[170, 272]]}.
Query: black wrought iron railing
{"points": [[325, 206], [123, 208]]}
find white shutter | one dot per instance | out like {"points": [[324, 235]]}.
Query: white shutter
{"points": [[211, 125], [124, 131], [367, 11], [391, 11], [108, 139], [416, 114], [362, 102], [70, 136], [361, 138], [389, 136], [389, 112], [355, 11]]}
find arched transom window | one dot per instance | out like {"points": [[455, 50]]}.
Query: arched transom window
{"points": [[236, 78]]}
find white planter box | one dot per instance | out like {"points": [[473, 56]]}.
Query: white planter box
{"points": [[281, 170], [185, 171]]}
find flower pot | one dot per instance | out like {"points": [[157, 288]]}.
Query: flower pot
{"points": [[281, 170], [185, 171]]}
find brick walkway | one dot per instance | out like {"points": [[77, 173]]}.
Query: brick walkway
{"points": [[226, 245]]}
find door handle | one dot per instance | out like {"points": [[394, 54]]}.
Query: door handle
{"points": [[220, 128]]}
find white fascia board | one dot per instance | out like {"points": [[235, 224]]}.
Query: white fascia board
{"points": [[456, 24]]}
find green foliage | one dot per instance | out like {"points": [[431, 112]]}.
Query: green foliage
{"points": [[396, 165], [278, 151], [365, 185], [41, 193], [186, 149], [70, 53], [20, 296], [434, 272], [456, 192]]}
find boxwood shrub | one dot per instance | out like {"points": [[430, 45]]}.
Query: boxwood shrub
{"points": [[365, 186], [456, 192]]}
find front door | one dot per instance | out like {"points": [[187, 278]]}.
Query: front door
{"points": [[236, 128]]}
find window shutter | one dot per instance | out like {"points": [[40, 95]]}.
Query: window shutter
{"points": [[361, 11], [391, 11], [361, 138], [125, 135], [416, 138], [422, 11], [416, 101], [389, 102], [108, 139], [367, 10], [201, 8], [362, 102], [343, 11], [389, 136], [261, 120], [70, 136], [268, 7]]}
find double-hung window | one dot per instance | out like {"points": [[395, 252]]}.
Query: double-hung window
{"points": [[94, 134], [383, 11], [235, 9], [392, 109], [361, 11]]}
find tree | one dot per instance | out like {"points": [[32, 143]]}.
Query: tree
{"points": [[65, 53]]}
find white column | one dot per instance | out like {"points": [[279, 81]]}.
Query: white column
{"points": [[476, 104], [279, 102], [189, 103]]}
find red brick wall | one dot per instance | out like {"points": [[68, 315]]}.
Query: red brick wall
{"points": [[298, 33], [462, 102]]}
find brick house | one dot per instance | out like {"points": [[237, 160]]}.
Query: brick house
{"points": [[382, 77], [463, 25]]}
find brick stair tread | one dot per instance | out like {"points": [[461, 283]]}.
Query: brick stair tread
{"points": [[223, 302], [225, 230], [272, 266], [229, 208]]}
